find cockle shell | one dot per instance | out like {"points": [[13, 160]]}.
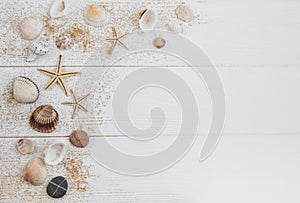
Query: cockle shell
{"points": [[64, 41], [35, 171], [44, 119], [175, 27], [31, 27], [96, 15], [25, 90], [54, 153], [184, 13], [159, 42], [36, 49], [25, 146], [59, 8], [148, 19]]}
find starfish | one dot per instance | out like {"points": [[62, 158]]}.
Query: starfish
{"points": [[116, 40], [57, 76], [76, 103]]}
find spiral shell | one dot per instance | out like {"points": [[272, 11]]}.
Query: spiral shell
{"points": [[44, 119], [64, 41], [54, 153], [36, 49], [96, 15], [35, 171], [148, 19], [25, 90], [31, 27], [25, 146]]}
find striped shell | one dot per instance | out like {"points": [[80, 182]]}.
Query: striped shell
{"points": [[35, 171], [44, 119], [25, 90], [25, 146], [31, 27], [96, 15]]}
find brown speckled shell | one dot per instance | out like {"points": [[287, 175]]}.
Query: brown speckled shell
{"points": [[44, 119], [79, 138], [64, 41]]}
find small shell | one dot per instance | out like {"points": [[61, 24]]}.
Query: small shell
{"points": [[184, 13], [35, 171], [44, 119], [25, 90], [31, 27], [96, 15], [175, 27], [79, 138], [59, 9], [159, 42], [25, 146], [36, 49], [64, 41], [54, 153], [148, 19]]}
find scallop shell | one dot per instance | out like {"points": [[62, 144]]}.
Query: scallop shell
{"points": [[25, 146], [35, 171], [96, 15], [44, 119], [64, 41], [159, 42], [175, 27], [54, 153], [184, 13], [59, 9], [31, 27], [36, 49], [25, 90], [148, 19]]}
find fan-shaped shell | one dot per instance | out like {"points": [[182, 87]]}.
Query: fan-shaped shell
{"points": [[96, 15], [31, 27], [148, 19], [25, 146], [54, 153], [35, 171], [36, 49], [59, 8], [44, 119], [25, 90]]}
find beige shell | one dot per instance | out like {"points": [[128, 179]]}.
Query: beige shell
{"points": [[54, 153], [64, 41], [59, 8], [35, 171], [159, 42], [148, 19], [184, 13], [175, 27], [96, 15], [25, 90], [25, 146], [31, 27], [44, 119]]}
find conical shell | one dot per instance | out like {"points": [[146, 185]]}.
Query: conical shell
{"points": [[96, 15], [36, 49], [59, 8], [148, 19], [54, 153], [25, 90], [44, 119], [25, 146], [31, 27], [35, 171]]}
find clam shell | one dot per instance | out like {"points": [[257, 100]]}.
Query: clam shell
{"points": [[36, 49], [184, 13], [25, 90], [44, 119], [35, 171], [25, 146], [59, 8], [31, 27], [64, 41], [148, 19], [79, 138], [96, 15], [159, 42], [54, 153]]}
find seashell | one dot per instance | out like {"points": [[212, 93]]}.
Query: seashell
{"points": [[37, 49], [44, 119], [54, 153], [148, 19], [35, 171], [79, 138], [31, 27], [159, 42], [59, 9], [25, 90], [25, 146], [175, 27], [96, 15], [64, 41], [184, 13]]}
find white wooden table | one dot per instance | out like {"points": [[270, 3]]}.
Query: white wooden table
{"points": [[255, 47]]}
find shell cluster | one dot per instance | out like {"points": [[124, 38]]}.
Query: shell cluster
{"points": [[35, 171], [25, 146], [36, 49], [44, 119], [64, 41], [96, 15], [54, 153], [31, 27], [25, 90], [147, 19]]}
